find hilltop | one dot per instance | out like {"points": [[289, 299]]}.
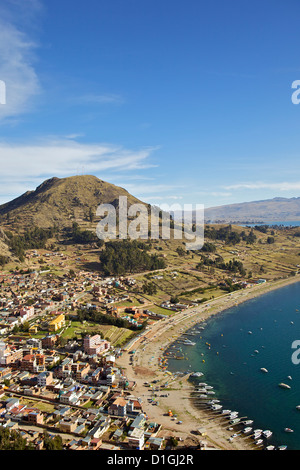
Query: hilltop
{"points": [[60, 202]]}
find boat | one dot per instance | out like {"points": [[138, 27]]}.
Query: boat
{"points": [[288, 430], [270, 448], [298, 407], [259, 442], [187, 342], [282, 447], [235, 421], [267, 433], [216, 407], [257, 433], [283, 385], [197, 374], [263, 369], [247, 429]]}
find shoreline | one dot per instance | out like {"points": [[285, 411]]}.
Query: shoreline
{"points": [[146, 367]]}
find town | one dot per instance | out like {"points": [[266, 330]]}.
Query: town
{"points": [[74, 373], [71, 388]]}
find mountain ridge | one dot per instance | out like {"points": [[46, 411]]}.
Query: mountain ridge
{"points": [[277, 209]]}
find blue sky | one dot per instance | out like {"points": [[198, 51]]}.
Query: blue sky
{"points": [[177, 101]]}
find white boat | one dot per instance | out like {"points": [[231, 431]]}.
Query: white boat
{"points": [[283, 385], [283, 447], [235, 421], [248, 421], [216, 407], [257, 433], [298, 407], [247, 429], [288, 430], [270, 448], [267, 433], [259, 442], [263, 369]]}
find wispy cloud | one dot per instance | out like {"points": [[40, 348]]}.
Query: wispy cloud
{"points": [[17, 58], [98, 98], [278, 186], [24, 165]]}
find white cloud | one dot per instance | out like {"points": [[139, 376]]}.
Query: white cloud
{"points": [[279, 186], [17, 63], [24, 166]]}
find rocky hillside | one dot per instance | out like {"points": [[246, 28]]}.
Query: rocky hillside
{"points": [[60, 202]]}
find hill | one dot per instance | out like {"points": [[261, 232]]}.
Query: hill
{"points": [[60, 202], [269, 210]]}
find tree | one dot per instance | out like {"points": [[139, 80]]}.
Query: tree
{"points": [[91, 215]]}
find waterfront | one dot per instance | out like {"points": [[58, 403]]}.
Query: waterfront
{"points": [[236, 344]]}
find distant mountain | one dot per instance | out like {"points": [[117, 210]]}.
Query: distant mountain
{"points": [[270, 210], [61, 201]]}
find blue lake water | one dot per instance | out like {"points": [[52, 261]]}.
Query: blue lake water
{"points": [[284, 224], [236, 344]]}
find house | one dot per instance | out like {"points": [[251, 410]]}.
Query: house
{"points": [[11, 403], [70, 398], [95, 345], [68, 425], [44, 378], [136, 438], [155, 443], [118, 407], [35, 417], [57, 323], [101, 426], [95, 443], [138, 422]]}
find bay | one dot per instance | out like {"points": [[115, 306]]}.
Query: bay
{"points": [[236, 344]]}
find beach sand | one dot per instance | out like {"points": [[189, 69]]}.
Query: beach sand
{"points": [[146, 368]]}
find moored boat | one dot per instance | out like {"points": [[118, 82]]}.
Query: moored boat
{"points": [[283, 385]]}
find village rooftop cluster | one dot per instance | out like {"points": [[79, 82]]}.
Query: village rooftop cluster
{"points": [[85, 397]]}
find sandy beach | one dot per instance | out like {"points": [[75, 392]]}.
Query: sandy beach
{"points": [[146, 367]]}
